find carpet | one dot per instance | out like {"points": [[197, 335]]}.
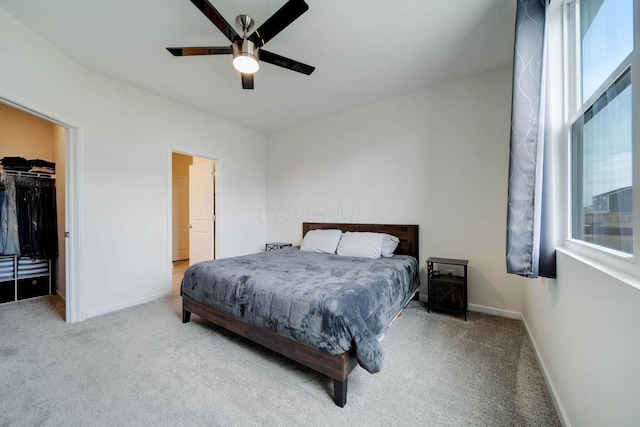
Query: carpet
{"points": [[142, 367]]}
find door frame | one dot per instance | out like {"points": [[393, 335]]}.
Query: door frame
{"points": [[217, 197], [75, 290]]}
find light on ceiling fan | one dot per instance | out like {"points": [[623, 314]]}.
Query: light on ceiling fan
{"points": [[245, 56]]}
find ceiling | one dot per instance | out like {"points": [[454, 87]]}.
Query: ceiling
{"points": [[364, 51]]}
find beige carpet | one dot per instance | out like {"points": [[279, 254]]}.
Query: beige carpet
{"points": [[143, 367]]}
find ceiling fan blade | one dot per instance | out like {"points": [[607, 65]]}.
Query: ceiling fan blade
{"points": [[247, 81], [281, 61], [190, 51], [278, 21], [214, 16]]}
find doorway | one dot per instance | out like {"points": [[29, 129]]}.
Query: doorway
{"points": [[194, 204], [27, 135]]}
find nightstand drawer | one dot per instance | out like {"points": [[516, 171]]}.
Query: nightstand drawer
{"points": [[33, 287], [448, 280]]}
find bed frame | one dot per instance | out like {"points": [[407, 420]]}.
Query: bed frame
{"points": [[338, 367]]}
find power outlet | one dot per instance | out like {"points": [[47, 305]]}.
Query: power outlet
{"points": [[149, 272]]}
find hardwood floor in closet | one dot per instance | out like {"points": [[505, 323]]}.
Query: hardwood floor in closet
{"points": [[179, 268]]}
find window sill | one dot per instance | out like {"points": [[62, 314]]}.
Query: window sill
{"points": [[613, 272]]}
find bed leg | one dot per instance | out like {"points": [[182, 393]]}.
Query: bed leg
{"points": [[340, 392], [186, 316]]}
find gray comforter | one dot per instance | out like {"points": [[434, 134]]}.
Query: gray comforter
{"points": [[330, 302]]}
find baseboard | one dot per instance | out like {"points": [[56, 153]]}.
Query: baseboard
{"points": [[562, 414], [483, 309], [495, 311], [61, 296], [126, 304]]}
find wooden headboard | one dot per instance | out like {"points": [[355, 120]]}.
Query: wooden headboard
{"points": [[408, 234]]}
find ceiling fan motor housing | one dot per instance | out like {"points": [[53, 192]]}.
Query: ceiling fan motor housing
{"points": [[246, 48], [245, 56]]}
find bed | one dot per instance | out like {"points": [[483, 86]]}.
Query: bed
{"points": [[311, 308]]}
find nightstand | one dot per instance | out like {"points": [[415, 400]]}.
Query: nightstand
{"points": [[274, 246], [447, 292]]}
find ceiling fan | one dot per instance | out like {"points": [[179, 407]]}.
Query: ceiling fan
{"points": [[247, 50]]}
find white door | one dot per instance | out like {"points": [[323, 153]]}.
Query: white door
{"points": [[201, 210]]}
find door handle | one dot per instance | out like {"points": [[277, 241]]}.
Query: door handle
{"points": [[189, 226]]}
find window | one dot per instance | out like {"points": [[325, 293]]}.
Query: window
{"points": [[600, 46]]}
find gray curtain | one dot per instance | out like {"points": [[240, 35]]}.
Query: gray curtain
{"points": [[530, 240]]}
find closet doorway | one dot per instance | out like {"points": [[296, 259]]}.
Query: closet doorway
{"points": [[27, 136], [194, 204]]}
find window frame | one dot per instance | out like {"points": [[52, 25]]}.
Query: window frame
{"points": [[574, 109]]}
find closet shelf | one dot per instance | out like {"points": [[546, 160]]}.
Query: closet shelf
{"points": [[22, 277], [27, 174]]}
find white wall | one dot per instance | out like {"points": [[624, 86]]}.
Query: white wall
{"points": [[437, 158], [128, 170], [585, 326], [124, 142], [35, 74]]}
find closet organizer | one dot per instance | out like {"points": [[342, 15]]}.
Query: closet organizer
{"points": [[28, 234]]}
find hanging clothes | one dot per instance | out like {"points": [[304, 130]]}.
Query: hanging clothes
{"points": [[28, 217], [37, 219], [9, 235]]}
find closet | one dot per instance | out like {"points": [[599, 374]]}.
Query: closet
{"points": [[28, 231], [32, 215]]}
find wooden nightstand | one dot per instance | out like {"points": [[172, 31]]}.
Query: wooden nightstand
{"points": [[447, 292], [274, 246]]}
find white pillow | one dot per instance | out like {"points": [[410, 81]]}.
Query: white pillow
{"points": [[389, 245], [365, 245], [325, 241]]}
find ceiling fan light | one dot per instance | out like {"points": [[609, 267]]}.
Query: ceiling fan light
{"points": [[245, 64], [245, 57]]}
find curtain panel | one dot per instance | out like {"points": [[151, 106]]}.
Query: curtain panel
{"points": [[530, 240]]}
